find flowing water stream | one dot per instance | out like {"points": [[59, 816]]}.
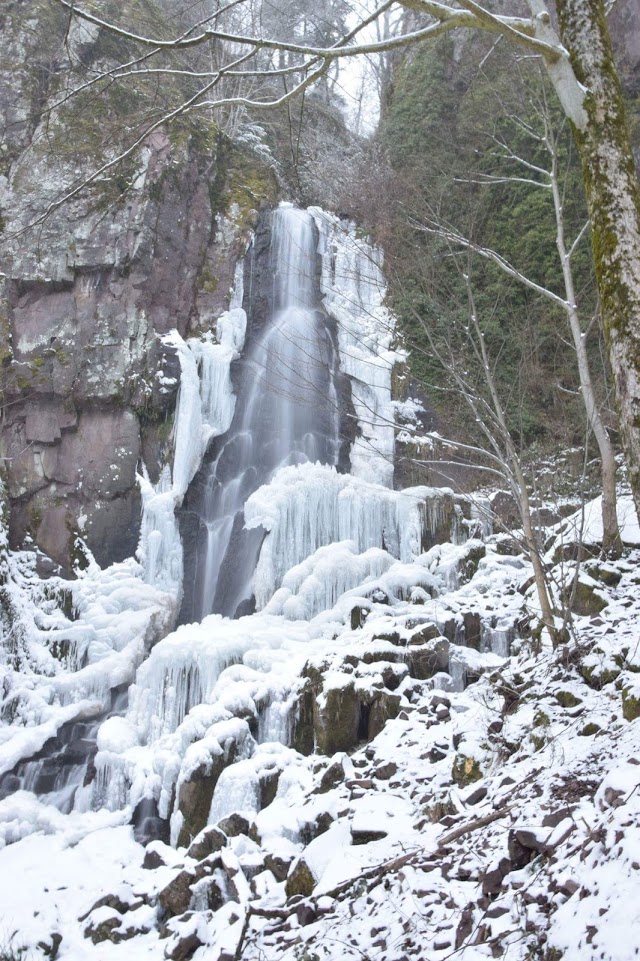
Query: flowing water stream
{"points": [[274, 528], [286, 413]]}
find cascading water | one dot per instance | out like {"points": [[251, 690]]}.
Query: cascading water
{"points": [[286, 414], [267, 521]]}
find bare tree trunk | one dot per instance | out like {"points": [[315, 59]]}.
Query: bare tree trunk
{"points": [[518, 479], [611, 541], [613, 199]]}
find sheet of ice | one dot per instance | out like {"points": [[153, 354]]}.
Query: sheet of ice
{"points": [[309, 506], [353, 290], [204, 409]]}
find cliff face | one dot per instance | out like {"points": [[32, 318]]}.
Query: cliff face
{"points": [[91, 286]]}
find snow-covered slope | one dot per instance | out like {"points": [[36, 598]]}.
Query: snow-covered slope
{"points": [[387, 760]]}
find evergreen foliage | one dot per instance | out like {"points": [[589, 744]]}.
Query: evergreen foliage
{"points": [[442, 135]]}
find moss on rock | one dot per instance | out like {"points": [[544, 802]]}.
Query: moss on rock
{"points": [[465, 770], [336, 721], [630, 703], [300, 881], [567, 699]]}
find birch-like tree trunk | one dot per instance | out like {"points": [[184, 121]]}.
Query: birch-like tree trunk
{"points": [[613, 199]]}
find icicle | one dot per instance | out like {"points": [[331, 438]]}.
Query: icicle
{"points": [[204, 409], [354, 291], [180, 673], [309, 506]]}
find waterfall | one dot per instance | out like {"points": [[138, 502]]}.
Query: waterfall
{"points": [[286, 414], [278, 502]]}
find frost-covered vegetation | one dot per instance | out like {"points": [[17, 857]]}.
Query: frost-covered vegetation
{"points": [[388, 758], [410, 727]]}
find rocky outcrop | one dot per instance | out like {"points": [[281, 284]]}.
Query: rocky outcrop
{"points": [[95, 282]]}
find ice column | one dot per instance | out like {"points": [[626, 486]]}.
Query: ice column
{"points": [[204, 409], [353, 293]]}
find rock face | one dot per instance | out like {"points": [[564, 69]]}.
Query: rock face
{"points": [[196, 793], [91, 288]]}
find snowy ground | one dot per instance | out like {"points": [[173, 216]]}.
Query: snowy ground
{"points": [[387, 761], [498, 820]]}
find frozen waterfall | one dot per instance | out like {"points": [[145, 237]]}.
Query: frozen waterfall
{"points": [[286, 414], [276, 502]]}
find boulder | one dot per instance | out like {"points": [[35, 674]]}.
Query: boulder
{"points": [[302, 738], [493, 878], [385, 771], [174, 899], [465, 770], [425, 660], [631, 703], [384, 706], [268, 786], [152, 860], [468, 565], [359, 615], [278, 866], [210, 841], [236, 825], [587, 600], [472, 627], [183, 948], [104, 930], [337, 719], [366, 836], [300, 880], [196, 793], [334, 775], [567, 699]]}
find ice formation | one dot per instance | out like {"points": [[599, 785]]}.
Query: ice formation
{"points": [[310, 506], [287, 413], [353, 290], [204, 409]]}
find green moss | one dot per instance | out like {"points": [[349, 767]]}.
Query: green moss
{"points": [[302, 737], [540, 719], [35, 519], [465, 770], [242, 184], [6, 352], [590, 729], [598, 677], [61, 357], [567, 699], [336, 724], [538, 741], [301, 881], [604, 573], [206, 281], [165, 428], [630, 704]]}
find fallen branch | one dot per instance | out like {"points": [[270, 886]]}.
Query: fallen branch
{"points": [[473, 826]]}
